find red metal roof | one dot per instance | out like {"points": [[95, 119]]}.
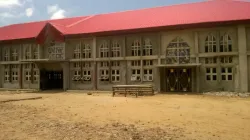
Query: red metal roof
{"points": [[183, 14]]}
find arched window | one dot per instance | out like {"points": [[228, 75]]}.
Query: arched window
{"points": [[115, 49], [136, 48], [86, 51], [104, 49], [178, 51], [27, 52], [14, 54], [225, 43], [147, 47], [35, 52], [77, 51], [210, 43], [6, 55]]}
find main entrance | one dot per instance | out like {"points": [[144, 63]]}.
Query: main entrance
{"points": [[178, 80], [51, 80]]}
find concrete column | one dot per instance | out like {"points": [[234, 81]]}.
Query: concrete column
{"points": [[66, 75], [95, 77], [124, 54], [20, 77], [159, 72], [242, 45], [197, 69], [1, 75]]}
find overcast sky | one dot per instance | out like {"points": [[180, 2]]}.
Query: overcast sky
{"points": [[18, 11]]}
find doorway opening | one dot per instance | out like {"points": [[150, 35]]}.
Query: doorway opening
{"points": [[51, 80], [178, 80]]}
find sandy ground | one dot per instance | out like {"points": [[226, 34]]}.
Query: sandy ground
{"points": [[102, 117]]}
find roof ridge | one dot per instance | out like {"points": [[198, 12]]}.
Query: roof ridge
{"points": [[56, 24], [77, 22]]}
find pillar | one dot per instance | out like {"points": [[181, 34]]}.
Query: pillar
{"points": [[95, 77], [197, 69], [242, 45], [66, 75]]}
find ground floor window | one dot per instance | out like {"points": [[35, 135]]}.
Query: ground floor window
{"points": [[115, 76], [147, 75], [14, 76], [136, 75], [27, 75], [35, 75], [31, 73], [226, 73], [86, 75], [211, 74], [104, 76], [6, 76], [77, 75]]}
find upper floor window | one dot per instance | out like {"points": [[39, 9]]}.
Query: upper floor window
{"points": [[104, 49], [6, 55], [56, 50], [104, 64], [226, 59], [35, 52], [178, 51], [136, 63], [27, 53], [225, 43], [14, 55], [115, 64], [77, 51], [147, 47], [211, 60], [115, 49], [136, 48], [86, 51], [210, 44], [77, 65], [147, 62]]}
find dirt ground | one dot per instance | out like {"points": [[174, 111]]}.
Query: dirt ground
{"points": [[76, 116]]}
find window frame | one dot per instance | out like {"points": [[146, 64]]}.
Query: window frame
{"points": [[136, 74], [116, 75], [104, 75], [77, 51], [226, 44], [226, 74], [211, 74], [35, 52], [148, 76], [115, 49], [136, 48], [104, 50], [210, 44], [147, 47], [6, 54], [86, 51], [7, 74], [14, 54]]}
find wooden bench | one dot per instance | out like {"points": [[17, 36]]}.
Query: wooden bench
{"points": [[137, 90]]}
